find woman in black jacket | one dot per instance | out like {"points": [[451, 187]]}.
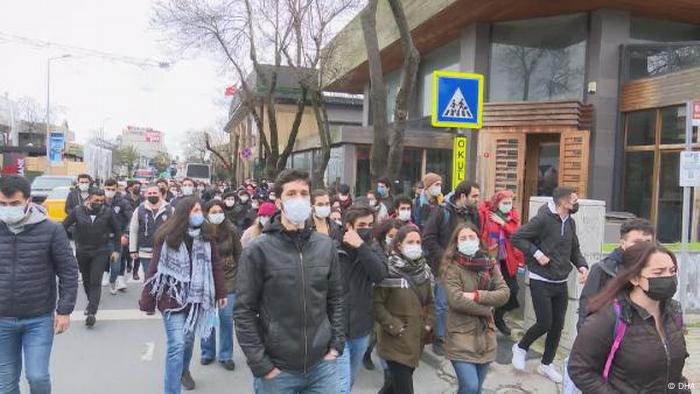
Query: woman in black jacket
{"points": [[97, 240], [632, 342]]}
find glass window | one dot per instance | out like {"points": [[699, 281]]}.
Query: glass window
{"points": [[440, 162], [658, 59], [362, 171], [538, 59], [673, 125], [640, 127], [638, 183], [444, 58], [670, 213], [656, 30], [410, 170]]}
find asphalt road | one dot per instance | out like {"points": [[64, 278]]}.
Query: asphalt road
{"points": [[125, 351]]}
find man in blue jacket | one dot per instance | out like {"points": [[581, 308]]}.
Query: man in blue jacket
{"points": [[33, 252]]}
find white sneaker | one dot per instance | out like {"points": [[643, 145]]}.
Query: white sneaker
{"points": [[112, 289], [121, 284], [105, 279], [550, 372], [518, 360]]}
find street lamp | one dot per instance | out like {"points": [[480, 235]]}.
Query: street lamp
{"points": [[48, 98]]}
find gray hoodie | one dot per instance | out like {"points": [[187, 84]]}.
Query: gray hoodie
{"points": [[35, 214]]}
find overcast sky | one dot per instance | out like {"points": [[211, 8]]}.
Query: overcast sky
{"points": [[188, 95]]}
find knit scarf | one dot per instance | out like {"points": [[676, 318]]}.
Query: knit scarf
{"points": [[194, 291], [480, 264], [399, 267]]}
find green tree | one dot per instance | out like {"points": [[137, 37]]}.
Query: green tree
{"points": [[161, 162], [127, 157]]}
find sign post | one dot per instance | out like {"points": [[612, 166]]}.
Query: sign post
{"points": [[689, 177], [458, 102]]}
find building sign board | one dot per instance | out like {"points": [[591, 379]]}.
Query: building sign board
{"points": [[458, 99]]}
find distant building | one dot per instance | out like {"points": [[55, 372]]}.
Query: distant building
{"points": [[147, 142], [8, 113]]}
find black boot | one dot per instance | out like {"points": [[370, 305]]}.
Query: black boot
{"points": [[501, 323], [187, 381], [438, 348], [386, 388], [367, 360]]}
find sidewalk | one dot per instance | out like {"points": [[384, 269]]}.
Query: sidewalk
{"points": [[503, 379]]}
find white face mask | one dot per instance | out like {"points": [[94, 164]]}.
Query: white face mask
{"points": [[413, 252], [297, 210], [217, 218], [244, 199], [342, 197], [187, 190], [405, 215], [388, 240], [435, 190], [505, 208], [229, 202], [110, 194], [83, 187], [12, 215], [264, 220], [322, 212], [468, 247]]}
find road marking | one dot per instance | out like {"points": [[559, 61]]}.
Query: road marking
{"points": [[117, 314], [148, 352]]}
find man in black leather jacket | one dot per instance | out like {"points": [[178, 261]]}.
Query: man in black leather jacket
{"points": [[289, 299]]}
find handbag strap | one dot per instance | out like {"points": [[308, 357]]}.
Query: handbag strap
{"points": [[620, 329]]}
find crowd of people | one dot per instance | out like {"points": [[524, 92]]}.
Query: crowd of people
{"points": [[311, 282]]}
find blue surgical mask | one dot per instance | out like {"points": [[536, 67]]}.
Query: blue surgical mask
{"points": [[468, 247], [196, 220], [505, 208], [382, 191], [297, 210], [12, 215]]}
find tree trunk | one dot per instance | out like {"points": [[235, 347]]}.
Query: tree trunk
{"points": [[324, 133], [236, 147], [301, 105], [404, 98], [380, 144]]}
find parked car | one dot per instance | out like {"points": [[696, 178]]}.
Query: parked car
{"points": [[55, 203], [44, 184]]}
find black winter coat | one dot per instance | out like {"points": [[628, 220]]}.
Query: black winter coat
{"points": [[641, 364], [556, 239], [121, 208], [598, 277], [29, 264], [361, 268], [73, 200], [103, 233], [289, 300]]}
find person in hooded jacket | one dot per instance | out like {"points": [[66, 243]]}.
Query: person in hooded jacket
{"points": [[429, 198], [474, 287], [265, 213], [145, 222], [243, 213], [632, 232], [94, 223], [363, 264], [343, 197], [229, 246], [79, 194], [551, 247], [499, 221], [121, 208], [403, 306], [461, 207], [633, 341]]}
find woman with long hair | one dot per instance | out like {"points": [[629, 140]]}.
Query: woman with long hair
{"points": [[498, 222], [229, 246], [633, 338], [403, 306], [474, 287], [186, 284]]}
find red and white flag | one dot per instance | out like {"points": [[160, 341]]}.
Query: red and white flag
{"points": [[230, 91]]}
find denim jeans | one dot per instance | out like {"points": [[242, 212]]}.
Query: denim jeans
{"points": [[145, 263], [34, 336], [470, 376], [114, 268], [179, 353], [350, 361], [225, 335], [320, 379], [440, 305]]}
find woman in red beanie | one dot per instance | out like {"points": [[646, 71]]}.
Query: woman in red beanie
{"points": [[266, 211], [498, 222]]}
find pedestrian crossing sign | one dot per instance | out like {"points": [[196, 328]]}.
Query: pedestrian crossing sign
{"points": [[458, 99]]}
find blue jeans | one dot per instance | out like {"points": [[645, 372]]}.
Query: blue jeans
{"points": [[34, 336], [470, 376], [350, 361], [179, 354], [225, 335], [320, 379], [440, 306], [144, 264]]}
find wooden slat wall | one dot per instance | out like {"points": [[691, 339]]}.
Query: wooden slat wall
{"points": [[526, 114], [663, 91], [501, 163], [573, 160]]}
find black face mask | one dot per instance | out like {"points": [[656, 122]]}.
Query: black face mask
{"points": [[153, 199], [662, 288], [365, 234], [96, 207], [574, 209]]}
